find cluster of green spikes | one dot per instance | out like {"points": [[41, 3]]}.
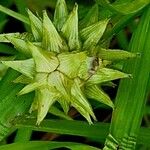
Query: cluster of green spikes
{"points": [[64, 61]]}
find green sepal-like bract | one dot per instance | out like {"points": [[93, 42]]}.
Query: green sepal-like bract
{"points": [[61, 14], [51, 39], [94, 92], [115, 54], [70, 63], [26, 67], [70, 30], [36, 26], [45, 99], [92, 34], [105, 75], [44, 60], [20, 45]]}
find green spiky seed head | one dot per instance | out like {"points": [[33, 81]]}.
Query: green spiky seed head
{"points": [[65, 62]]}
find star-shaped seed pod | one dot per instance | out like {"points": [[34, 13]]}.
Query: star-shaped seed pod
{"points": [[65, 62]]}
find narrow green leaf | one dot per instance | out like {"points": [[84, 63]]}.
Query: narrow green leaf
{"points": [[131, 7], [90, 18], [46, 145], [122, 39], [23, 135], [130, 104], [21, 5], [111, 143], [122, 21], [69, 127], [2, 24], [11, 106], [124, 7], [6, 49], [16, 15], [79, 128]]}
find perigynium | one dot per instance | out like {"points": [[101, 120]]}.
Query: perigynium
{"points": [[65, 61]]}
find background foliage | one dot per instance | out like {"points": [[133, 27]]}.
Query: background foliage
{"points": [[127, 127]]}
